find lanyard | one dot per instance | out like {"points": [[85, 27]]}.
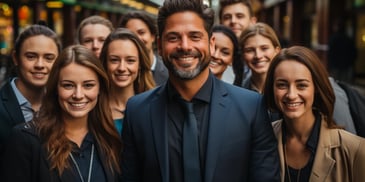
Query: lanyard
{"points": [[90, 165]]}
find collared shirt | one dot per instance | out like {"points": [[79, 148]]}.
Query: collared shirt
{"points": [[176, 119], [82, 157], [24, 104], [311, 145]]}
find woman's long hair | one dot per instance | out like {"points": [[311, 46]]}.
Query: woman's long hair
{"points": [[144, 80], [51, 128]]}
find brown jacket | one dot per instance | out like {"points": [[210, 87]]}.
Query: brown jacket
{"points": [[340, 155]]}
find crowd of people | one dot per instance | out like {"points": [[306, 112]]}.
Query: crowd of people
{"points": [[174, 99]]}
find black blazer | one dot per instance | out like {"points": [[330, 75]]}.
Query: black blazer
{"points": [[25, 159], [160, 74], [241, 144], [10, 113]]}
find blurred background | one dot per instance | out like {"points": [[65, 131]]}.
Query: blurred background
{"points": [[298, 22]]}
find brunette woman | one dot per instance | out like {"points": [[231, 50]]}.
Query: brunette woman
{"points": [[73, 137], [125, 58], [311, 146], [227, 54]]}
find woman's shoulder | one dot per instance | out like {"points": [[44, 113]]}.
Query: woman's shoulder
{"points": [[347, 140], [348, 137]]}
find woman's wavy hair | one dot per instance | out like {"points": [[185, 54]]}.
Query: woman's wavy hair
{"points": [[324, 97], [51, 128], [144, 80]]}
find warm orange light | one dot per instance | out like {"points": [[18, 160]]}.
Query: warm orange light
{"points": [[23, 13], [54, 4]]}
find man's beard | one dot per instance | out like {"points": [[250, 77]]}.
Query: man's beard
{"points": [[189, 74]]}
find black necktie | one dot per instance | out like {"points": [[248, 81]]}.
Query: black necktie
{"points": [[191, 146]]}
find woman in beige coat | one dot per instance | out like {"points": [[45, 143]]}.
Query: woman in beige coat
{"points": [[311, 146]]}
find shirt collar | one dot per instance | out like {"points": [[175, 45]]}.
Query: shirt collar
{"points": [[203, 94], [153, 66], [314, 135], [21, 99]]}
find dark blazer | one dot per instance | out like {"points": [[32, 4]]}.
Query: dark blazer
{"points": [[10, 113], [160, 74], [241, 144], [25, 159]]}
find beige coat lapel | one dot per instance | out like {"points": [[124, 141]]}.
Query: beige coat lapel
{"points": [[323, 162]]}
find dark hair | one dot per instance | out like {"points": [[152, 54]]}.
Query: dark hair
{"points": [[324, 97], [224, 3], [237, 64], [144, 80], [174, 6], [49, 122], [35, 30], [95, 19], [143, 16]]}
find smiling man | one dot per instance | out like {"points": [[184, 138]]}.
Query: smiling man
{"points": [[225, 136], [236, 14]]}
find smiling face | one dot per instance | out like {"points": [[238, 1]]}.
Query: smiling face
{"points": [[258, 52], [223, 54], [236, 17], [138, 27], [36, 58], [185, 45], [93, 37], [122, 63], [78, 90], [294, 90]]}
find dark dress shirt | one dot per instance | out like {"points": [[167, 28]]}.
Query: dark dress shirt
{"points": [[176, 120], [82, 157], [311, 145]]}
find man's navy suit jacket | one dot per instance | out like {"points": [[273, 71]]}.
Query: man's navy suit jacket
{"points": [[241, 145]]}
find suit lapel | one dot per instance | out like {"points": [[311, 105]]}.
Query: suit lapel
{"points": [[159, 130], [218, 109], [277, 127], [11, 104], [323, 162]]}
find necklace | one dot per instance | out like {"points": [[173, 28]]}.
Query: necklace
{"points": [[90, 165], [287, 166]]}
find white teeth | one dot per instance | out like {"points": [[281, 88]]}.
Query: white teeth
{"points": [[78, 104], [213, 63], [38, 74], [293, 104], [186, 59]]}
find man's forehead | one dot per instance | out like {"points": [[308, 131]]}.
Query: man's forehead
{"points": [[184, 21], [237, 7]]}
